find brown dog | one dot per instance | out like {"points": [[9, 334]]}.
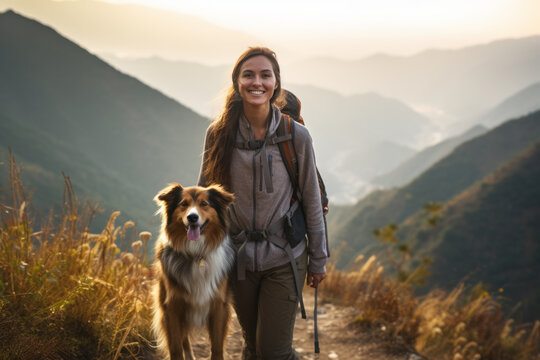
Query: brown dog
{"points": [[193, 257]]}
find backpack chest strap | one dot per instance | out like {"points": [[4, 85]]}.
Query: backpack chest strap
{"points": [[257, 144], [250, 144], [279, 139]]}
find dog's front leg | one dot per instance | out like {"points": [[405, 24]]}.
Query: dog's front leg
{"points": [[218, 321], [174, 337], [188, 352], [177, 338]]}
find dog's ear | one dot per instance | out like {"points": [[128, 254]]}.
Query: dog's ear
{"points": [[169, 198], [219, 198], [170, 193]]}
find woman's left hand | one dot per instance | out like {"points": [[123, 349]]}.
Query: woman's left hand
{"points": [[314, 280]]}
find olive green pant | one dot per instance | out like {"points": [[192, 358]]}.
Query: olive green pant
{"points": [[266, 304]]}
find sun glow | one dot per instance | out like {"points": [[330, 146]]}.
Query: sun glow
{"points": [[346, 14], [338, 28], [402, 27]]}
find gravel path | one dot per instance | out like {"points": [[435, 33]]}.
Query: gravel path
{"points": [[337, 339]]}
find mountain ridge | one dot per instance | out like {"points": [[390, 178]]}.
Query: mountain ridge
{"points": [[430, 50], [425, 158], [488, 233], [57, 87]]}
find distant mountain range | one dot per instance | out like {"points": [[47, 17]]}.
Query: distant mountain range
{"points": [[462, 83], [523, 102], [346, 175], [424, 159], [126, 130]]}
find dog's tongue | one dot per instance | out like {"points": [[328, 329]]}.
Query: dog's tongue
{"points": [[194, 233]]}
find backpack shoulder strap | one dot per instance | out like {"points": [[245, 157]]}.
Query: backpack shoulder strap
{"points": [[288, 153], [287, 150]]}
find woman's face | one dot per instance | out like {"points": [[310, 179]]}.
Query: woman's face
{"points": [[257, 81]]}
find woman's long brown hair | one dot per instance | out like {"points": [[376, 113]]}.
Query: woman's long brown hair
{"points": [[222, 135]]}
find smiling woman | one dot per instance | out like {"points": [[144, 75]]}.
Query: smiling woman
{"points": [[242, 153]]}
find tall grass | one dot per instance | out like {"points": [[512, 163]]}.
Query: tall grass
{"points": [[66, 293], [459, 325]]}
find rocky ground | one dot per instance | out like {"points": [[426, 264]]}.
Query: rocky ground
{"points": [[337, 338]]}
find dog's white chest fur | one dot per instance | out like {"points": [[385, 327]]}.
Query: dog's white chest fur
{"points": [[207, 275], [203, 277]]}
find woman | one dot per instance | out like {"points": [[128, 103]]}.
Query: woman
{"points": [[241, 154]]}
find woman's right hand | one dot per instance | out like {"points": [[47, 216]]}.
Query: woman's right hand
{"points": [[314, 279]]}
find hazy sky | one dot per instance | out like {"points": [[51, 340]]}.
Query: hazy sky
{"points": [[348, 29], [395, 26]]}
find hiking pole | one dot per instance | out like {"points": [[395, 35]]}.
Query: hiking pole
{"points": [[315, 329]]}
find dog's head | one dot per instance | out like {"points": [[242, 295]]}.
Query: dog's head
{"points": [[194, 213]]}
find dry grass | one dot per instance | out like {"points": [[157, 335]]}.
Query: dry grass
{"points": [[385, 306], [459, 325], [66, 293]]}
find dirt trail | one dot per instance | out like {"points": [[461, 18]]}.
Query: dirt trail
{"points": [[337, 339]]}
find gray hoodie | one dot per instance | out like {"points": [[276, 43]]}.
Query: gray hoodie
{"points": [[263, 192]]}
